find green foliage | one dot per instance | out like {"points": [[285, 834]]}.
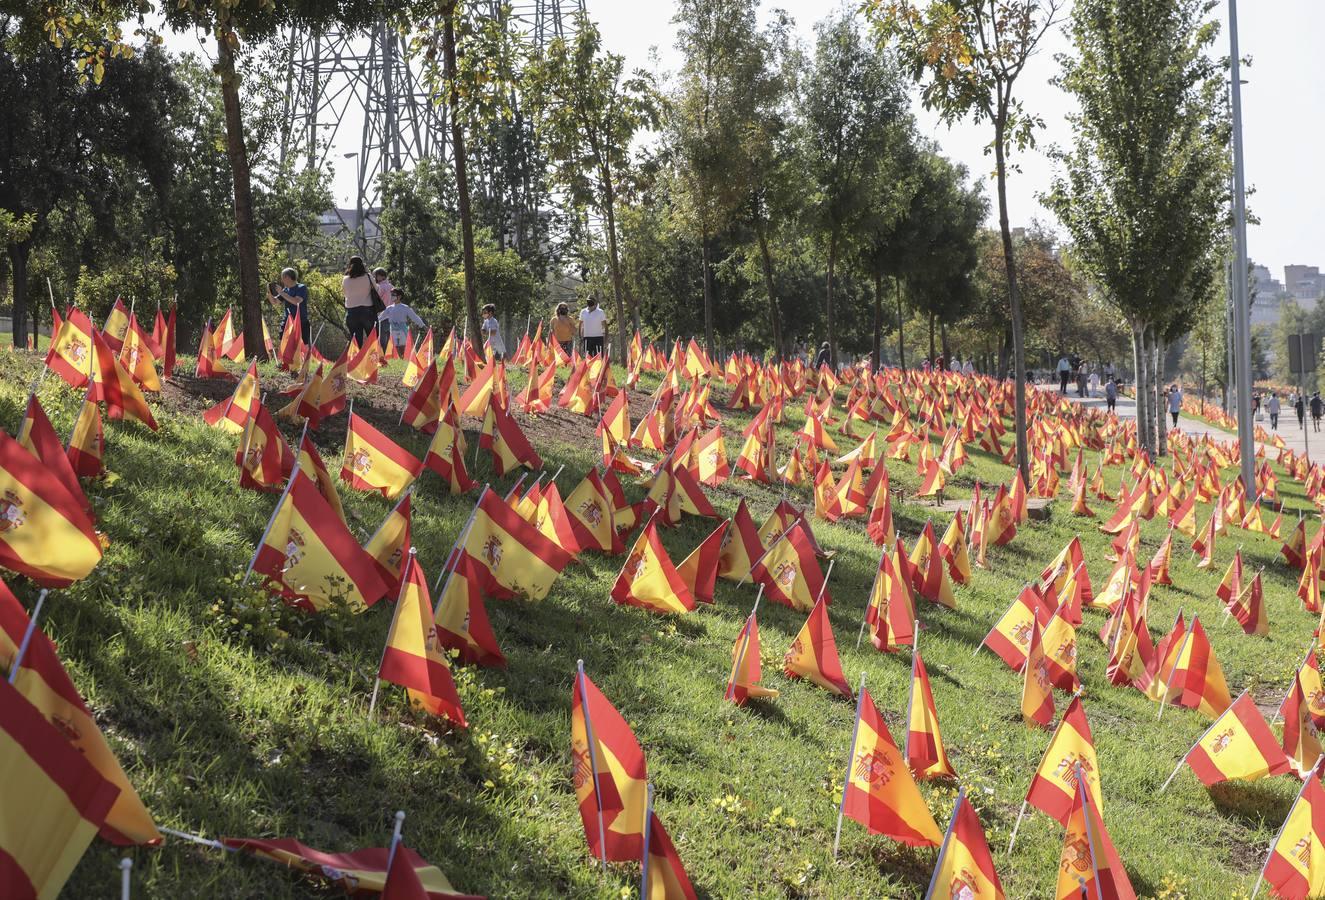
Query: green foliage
{"points": [[149, 281], [503, 279]]}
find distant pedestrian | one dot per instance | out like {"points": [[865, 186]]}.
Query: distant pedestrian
{"points": [[593, 325], [1316, 409], [563, 328], [1175, 403], [1272, 407], [1108, 371], [825, 356], [358, 290], [1300, 407], [1064, 373], [1110, 394], [490, 329], [398, 315], [1094, 382], [968, 367]]}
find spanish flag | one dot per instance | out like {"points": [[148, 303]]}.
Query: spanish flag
{"points": [[930, 581], [309, 556], [953, 550], [87, 442], [924, 750], [649, 580], [813, 654], [1230, 587], [1071, 752], [1060, 652], [1159, 563], [361, 870], [1295, 866], [1238, 746], [743, 681], [699, 570], [137, 359], [331, 396], [446, 454], [1198, 675], [462, 620], [1295, 547], [423, 406], [663, 876], [609, 773], [38, 437], [391, 542], [789, 571], [110, 383], [879, 791], [591, 517], [1010, 637], [965, 867], [1309, 681], [1089, 866], [117, 325], [743, 546], [44, 682], [515, 558], [616, 421], [232, 413], [45, 533], [1249, 608], [890, 613], [364, 365], [264, 459], [413, 658], [209, 363], [508, 444], [374, 462], [710, 457], [1301, 741], [310, 462], [1037, 689], [70, 352], [55, 800], [1155, 683]]}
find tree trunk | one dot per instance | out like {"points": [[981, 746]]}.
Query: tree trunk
{"points": [[614, 263], [461, 171], [943, 343], [931, 342], [1161, 433], [706, 260], [832, 320], [774, 313], [246, 235], [901, 319], [878, 322], [1014, 299], [18, 264], [1141, 386]]}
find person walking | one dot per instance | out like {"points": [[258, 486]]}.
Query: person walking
{"points": [[593, 325], [824, 356], [398, 317], [968, 367], [1272, 407], [357, 288], [490, 328], [294, 297], [1300, 407], [1110, 394], [1064, 373], [1108, 371], [1317, 407], [1175, 403], [563, 328], [1094, 381]]}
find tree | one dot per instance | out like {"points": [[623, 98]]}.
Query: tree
{"points": [[1142, 190], [973, 52], [853, 106], [588, 112], [711, 117]]}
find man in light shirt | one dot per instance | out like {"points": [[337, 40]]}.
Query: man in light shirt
{"points": [[593, 324]]}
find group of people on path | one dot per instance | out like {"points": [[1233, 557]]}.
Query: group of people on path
{"points": [[371, 301]]}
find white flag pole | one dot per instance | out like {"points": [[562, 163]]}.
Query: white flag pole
{"points": [[126, 869], [27, 637], [266, 532], [395, 840], [851, 757], [459, 542], [745, 645]]}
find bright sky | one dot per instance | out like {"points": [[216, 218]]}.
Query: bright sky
{"points": [[1284, 104], [1284, 109]]}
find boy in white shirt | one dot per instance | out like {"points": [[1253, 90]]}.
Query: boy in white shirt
{"points": [[490, 329]]}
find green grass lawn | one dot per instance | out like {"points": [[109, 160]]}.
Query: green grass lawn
{"points": [[235, 716]]}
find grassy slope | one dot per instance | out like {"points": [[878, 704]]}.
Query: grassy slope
{"points": [[228, 727]]}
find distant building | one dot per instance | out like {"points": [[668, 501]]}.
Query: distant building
{"points": [[1304, 284], [1268, 301]]}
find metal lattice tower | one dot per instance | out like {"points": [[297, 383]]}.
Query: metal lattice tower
{"points": [[356, 96]]}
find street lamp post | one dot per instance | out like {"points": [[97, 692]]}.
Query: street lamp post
{"points": [[1241, 320]]}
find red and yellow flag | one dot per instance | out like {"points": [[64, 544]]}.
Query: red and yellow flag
{"points": [[928, 577], [813, 654], [1037, 689], [361, 870], [609, 773], [649, 580], [413, 658], [374, 462], [699, 570], [232, 413], [87, 442], [462, 620], [1010, 637], [311, 464], [111, 384], [1198, 675], [1295, 866], [591, 517], [515, 557], [446, 454], [879, 791], [742, 546], [1071, 750], [390, 544], [924, 750], [890, 613], [45, 533], [309, 556], [743, 681], [790, 572], [1238, 746], [55, 801], [965, 867], [664, 877], [70, 352], [1089, 866]]}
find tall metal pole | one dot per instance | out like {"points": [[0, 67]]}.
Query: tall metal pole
{"points": [[1242, 323]]}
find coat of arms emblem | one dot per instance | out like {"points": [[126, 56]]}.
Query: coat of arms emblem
{"points": [[872, 768], [294, 550], [361, 462], [11, 512], [492, 551]]}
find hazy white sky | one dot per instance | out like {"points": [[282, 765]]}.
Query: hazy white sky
{"points": [[1284, 108], [1284, 104]]}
